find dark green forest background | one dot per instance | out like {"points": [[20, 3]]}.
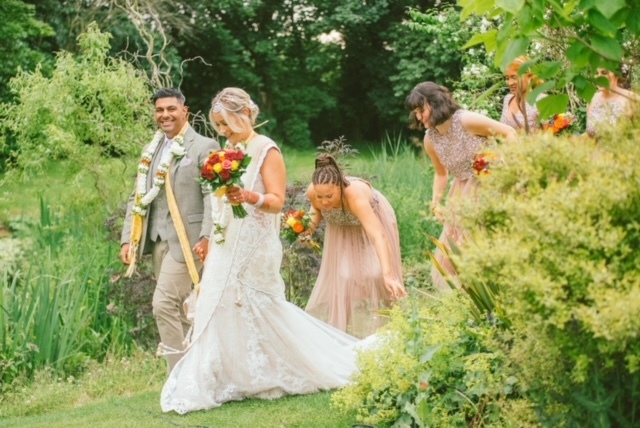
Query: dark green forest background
{"points": [[309, 89]]}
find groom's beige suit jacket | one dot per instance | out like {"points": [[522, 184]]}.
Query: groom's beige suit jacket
{"points": [[193, 201]]}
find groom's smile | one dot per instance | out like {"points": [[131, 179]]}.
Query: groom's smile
{"points": [[170, 115]]}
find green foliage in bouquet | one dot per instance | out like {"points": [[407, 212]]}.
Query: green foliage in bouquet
{"points": [[556, 230], [435, 367]]}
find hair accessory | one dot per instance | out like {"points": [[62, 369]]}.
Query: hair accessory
{"points": [[217, 108]]}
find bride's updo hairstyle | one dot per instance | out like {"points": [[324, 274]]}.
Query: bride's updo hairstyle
{"points": [[439, 100], [236, 108]]}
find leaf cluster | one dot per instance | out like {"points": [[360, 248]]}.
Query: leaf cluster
{"points": [[585, 35], [433, 366]]}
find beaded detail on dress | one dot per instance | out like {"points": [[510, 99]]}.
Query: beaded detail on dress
{"points": [[342, 217], [532, 115], [603, 112], [457, 148]]}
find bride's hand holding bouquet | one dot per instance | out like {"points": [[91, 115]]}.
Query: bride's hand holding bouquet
{"points": [[222, 172]]}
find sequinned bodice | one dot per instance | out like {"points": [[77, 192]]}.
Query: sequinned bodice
{"points": [[603, 112], [518, 122], [457, 148], [341, 217]]}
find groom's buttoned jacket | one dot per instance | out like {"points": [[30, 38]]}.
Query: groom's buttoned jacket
{"points": [[192, 200]]}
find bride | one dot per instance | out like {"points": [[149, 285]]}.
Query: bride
{"points": [[247, 340]]}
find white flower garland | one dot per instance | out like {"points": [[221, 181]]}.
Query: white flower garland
{"points": [[144, 198]]}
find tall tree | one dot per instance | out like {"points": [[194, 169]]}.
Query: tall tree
{"points": [[20, 33], [374, 41]]}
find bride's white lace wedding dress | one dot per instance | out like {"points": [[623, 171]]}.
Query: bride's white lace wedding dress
{"points": [[248, 341]]}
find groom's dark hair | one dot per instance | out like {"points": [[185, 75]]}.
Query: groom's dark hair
{"points": [[168, 93]]}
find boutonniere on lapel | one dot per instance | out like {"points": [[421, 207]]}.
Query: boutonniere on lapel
{"points": [[177, 147], [144, 195]]}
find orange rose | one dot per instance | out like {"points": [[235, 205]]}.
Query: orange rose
{"points": [[298, 227]]}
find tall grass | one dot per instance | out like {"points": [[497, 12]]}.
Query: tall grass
{"points": [[52, 310], [404, 176]]}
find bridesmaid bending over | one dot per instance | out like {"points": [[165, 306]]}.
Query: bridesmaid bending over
{"points": [[361, 269], [452, 139]]}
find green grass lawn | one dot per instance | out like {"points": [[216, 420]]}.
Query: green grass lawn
{"points": [[143, 410], [126, 393]]}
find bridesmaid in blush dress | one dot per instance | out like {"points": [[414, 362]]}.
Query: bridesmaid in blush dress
{"points": [[608, 105], [453, 138], [361, 269], [516, 111]]}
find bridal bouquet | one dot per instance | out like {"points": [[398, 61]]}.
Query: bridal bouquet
{"points": [[294, 226], [559, 124], [223, 169]]}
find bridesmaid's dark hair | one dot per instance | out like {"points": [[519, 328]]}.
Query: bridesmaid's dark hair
{"points": [[437, 97], [328, 172]]}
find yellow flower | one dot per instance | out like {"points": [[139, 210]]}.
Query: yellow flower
{"points": [[234, 165], [291, 221], [217, 167]]}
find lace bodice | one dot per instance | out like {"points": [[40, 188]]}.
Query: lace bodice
{"points": [[457, 148], [602, 111], [533, 115]]}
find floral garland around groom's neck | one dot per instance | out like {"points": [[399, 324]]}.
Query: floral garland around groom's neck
{"points": [[143, 197]]}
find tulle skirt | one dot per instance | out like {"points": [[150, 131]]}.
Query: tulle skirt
{"points": [[349, 291]]}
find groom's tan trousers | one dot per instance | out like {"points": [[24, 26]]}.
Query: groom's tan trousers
{"points": [[172, 288]]}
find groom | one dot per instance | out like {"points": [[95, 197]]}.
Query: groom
{"points": [[177, 150]]}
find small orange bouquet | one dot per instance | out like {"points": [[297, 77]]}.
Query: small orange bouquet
{"points": [[294, 225], [482, 162], [223, 169], [559, 124]]}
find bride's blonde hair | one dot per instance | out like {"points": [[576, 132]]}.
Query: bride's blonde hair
{"points": [[236, 108]]}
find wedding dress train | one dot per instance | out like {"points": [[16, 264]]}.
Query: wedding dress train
{"points": [[248, 341]]}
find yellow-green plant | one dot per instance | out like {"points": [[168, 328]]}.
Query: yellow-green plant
{"points": [[556, 229], [91, 108], [434, 366]]}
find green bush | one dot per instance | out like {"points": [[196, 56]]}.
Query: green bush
{"points": [[435, 367], [91, 108], [556, 230]]}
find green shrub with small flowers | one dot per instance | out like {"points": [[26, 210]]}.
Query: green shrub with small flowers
{"points": [[556, 232], [435, 366]]}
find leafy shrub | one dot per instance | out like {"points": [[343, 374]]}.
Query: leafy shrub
{"points": [[300, 263], [557, 231], [91, 108], [434, 366]]}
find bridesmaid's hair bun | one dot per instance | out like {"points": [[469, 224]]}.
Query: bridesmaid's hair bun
{"points": [[328, 172]]}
